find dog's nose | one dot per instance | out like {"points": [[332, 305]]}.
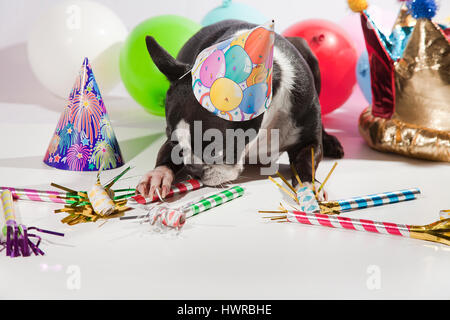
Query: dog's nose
{"points": [[194, 169]]}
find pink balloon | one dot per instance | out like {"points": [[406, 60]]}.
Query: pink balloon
{"points": [[212, 68]]}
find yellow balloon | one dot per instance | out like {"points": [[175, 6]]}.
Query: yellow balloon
{"points": [[240, 41], [225, 94], [259, 74]]}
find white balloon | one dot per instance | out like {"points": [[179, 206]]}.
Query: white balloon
{"points": [[70, 31]]}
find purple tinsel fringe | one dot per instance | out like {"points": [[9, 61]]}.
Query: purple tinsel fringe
{"points": [[18, 242]]}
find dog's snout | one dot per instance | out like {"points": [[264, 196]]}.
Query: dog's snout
{"points": [[195, 169]]}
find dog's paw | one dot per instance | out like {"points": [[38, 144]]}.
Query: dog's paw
{"points": [[322, 195], [332, 148], [217, 174], [159, 178]]}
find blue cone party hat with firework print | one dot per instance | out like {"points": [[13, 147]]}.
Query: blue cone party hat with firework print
{"points": [[233, 78], [84, 139]]}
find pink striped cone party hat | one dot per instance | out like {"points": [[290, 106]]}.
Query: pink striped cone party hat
{"points": [[84, 139]]}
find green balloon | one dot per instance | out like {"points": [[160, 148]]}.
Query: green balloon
{"points": [[145, 83]]}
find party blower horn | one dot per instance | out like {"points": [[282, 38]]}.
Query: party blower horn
{"points": [[84, 138], [66, 197], [409, 70], [15, 236], [233, 78], [172, 217], [438, 231], [177, 188], [99, 202], [307, 199]]}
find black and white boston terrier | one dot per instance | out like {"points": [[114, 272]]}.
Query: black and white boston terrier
{"points": [[294, 111]]}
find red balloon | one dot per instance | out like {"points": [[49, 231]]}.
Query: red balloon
{"points": [[337, 57]]}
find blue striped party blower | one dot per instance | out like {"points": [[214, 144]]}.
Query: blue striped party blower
{"points": [[368, 201], [307, 199]]}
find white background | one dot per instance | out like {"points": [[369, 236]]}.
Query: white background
{"points": [[228, 252], [18, 16]]}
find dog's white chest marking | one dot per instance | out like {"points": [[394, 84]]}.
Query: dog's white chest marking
{"points": [[278, 116]]}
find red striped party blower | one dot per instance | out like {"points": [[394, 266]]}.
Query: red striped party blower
{"points": [[177, 188], [438, 231], [15, 236], [100, 202]]}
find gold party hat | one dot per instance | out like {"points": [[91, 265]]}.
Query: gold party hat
{"points": [[410, 111], [404, 18]]}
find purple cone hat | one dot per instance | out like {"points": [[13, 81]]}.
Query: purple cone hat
{"points": [[84, 139], [233, 78]]}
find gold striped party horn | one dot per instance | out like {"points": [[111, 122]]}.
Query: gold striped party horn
{"points": [[10, 223], [101, 200], [18, 242]]}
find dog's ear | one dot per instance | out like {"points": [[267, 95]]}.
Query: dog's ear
{"points": [[167, 64]]}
